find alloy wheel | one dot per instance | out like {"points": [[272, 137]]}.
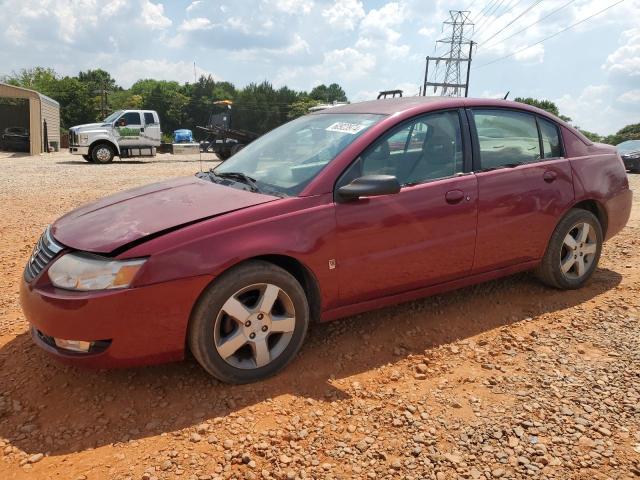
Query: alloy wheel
{"points": [[103, 154], [578, 250], [254, 326]]}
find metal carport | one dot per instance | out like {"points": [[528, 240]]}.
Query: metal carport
{"points": [[43, 117]]}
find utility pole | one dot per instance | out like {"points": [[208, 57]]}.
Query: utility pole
{"points": [[451, 84], [104, 100]]}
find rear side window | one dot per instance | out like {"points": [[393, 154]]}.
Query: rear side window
{"points": [[131, 118], [148, 118], [551, 146], [506, 138]]}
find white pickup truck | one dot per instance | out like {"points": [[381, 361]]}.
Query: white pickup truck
{"points": [[125, 133]]}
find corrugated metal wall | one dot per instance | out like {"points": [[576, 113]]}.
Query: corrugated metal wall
{"points": [[50, 112], [41, 108]]}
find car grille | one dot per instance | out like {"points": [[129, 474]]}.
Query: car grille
{"points": [[44, 251], [73, 137]]}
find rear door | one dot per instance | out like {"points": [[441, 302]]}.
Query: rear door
{"points": [[129, 128], [524, 185], [423, 235], [151, 132]]}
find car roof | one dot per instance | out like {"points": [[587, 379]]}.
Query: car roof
{"points": [[390, 106]]}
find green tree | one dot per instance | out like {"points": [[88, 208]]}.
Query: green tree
{"points": [[594, 137], [330, 94], [301, 107], [630, 132]]}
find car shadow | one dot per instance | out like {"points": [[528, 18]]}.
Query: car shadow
{"points": [[138, 162], [50, 407]]}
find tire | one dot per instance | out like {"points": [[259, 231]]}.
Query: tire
{"points": [[102, 153], [88, 158], [558, 269], [235, 149], [223, 344]]}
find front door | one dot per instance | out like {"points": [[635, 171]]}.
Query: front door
{"points": [[128, 129], [421, 236], [524, 183]]}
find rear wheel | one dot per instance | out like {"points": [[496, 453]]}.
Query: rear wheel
{"points": [[102, 153], [250, 323], [236, 148], [573, 251]]}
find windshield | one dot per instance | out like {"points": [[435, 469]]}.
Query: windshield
{"points": [[113, 116], [629, 146], [286, 159]]}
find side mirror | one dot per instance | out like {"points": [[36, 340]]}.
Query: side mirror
{"points": [[369, 186]]}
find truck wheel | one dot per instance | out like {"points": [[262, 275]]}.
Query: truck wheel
{"points": [[236, 148], [102, 153], [250, 323], [88, 158], [223, 154], [573, 251]]}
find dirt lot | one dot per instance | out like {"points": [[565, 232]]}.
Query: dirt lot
{"points": [[503, 380]]}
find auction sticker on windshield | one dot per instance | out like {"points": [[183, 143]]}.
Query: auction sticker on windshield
{"points": [[345, 127]]}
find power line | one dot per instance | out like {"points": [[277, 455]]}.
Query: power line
{"points": [[533, 24], [551, 36], [507, 11], [489, 13], [485, 9], [514, 20]]}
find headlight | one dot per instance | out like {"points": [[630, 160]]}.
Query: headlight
{"points": [[83, 138], [89, 272]]}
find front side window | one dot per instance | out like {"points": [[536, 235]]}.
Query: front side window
{"points": [[424, 149], [130, 118], [286, 159], [551, 146], [506, 138]]}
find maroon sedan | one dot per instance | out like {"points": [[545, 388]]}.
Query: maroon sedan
{"points": [[335, 213]]}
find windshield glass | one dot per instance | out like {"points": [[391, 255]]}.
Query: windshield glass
{"points": [[113, 116], [629, 146], [286, 159]]}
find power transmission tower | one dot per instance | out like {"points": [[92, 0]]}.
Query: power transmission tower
{"points": [[451, 84], [104, 100]]}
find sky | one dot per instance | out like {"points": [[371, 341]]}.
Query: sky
{"points": [[591, 71]]}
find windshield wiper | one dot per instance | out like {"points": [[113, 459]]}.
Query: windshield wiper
{"points": [[246, 179]]}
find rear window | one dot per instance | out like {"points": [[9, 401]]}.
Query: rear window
{"points": [[148, 118], [551, 145], [506, 138]]}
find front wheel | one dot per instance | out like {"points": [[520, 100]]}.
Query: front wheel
{"points": [[250, 323], [102, 153], [573, 251], [87, 158]]}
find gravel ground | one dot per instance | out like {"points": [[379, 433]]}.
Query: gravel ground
{"points": [[506, 379]]}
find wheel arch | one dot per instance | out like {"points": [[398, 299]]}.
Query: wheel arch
{"points": [[598, 210], [107, 141]]}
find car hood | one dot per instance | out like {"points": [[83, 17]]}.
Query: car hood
{"points": [[89, 126], [112, 222]]}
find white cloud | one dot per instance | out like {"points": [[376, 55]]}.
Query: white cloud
{"points": [[426, 31], [293, 6], [348, 63], [152, 15], [193, 5], [625, 60], [193, 24], [344, 14], [378, 30], [595, 109], [130, 71], [632, 96], [534, 54]]}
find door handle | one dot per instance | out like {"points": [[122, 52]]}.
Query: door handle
{"points": [[549, 176], [142, 129], [454, 196]]}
